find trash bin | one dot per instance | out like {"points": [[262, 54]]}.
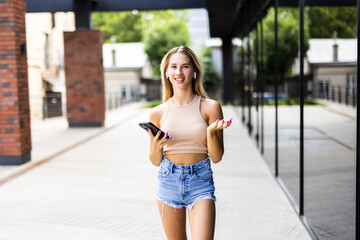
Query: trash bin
{"points": [[52, 105]]}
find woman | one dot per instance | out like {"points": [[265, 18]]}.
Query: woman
{"points": [[194, 125]]}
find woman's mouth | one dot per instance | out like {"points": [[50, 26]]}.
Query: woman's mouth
{"points": [[179, 79]]}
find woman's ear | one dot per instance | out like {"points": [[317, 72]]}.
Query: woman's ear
{"points": [[194, 75], [166, 76]]}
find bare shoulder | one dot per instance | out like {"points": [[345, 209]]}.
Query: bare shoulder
{"points": [[210, 104], [158, 109], [211, 108], [156, 114]]}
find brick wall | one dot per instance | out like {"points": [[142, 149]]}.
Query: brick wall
{"points": [[84, 73], [15, 135]]}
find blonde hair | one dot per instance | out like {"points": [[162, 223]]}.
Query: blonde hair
{"points": [[197, 84]]}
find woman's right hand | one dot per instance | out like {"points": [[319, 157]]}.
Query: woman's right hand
{"points": [[157, 143]]}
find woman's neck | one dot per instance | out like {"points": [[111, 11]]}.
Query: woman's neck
{"points": [[183, 97]]}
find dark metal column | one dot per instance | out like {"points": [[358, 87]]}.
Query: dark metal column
{"points": [[301, 190], [257, 86], [357, 225], [262, 85], [249, 125], [276, 89], [242, 81], [228, 70], [82, 10]]}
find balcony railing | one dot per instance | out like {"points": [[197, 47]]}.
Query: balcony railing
{"points": [[54, 104], [337, 93]]}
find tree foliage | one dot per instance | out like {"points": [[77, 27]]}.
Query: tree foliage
{"points": [[163, 36], [159, 30], [126, 26], [131, 26], [211, 77], [288, 42], [323, 21]]}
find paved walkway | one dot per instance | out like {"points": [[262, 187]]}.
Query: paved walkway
{"points": [[85, 184], [329, 162]]}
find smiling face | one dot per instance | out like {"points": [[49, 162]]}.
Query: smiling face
{"points": [[184, 60], [180, 70]]}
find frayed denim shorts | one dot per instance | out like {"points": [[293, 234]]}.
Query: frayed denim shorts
{"points": [[182, 186]]}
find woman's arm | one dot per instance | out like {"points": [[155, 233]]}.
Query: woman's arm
{"points": [[156, 143], [216, 122]]}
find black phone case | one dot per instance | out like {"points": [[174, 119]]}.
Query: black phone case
{"points": [[154, 129]]}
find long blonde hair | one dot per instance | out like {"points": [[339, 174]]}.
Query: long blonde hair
{"points": [[197, 84]]}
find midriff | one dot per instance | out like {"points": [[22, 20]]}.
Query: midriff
{"points": [[185, 159]]}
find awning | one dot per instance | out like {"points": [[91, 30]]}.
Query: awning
{"points": [[54, 80]]}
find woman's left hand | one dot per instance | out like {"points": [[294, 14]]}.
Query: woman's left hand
{"points": [[218, 125]]}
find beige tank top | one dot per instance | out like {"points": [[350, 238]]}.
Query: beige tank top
{"points": [[186, 126]]}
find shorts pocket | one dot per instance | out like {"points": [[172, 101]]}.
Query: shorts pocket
{"points": [[204, 173], [164, 172]]}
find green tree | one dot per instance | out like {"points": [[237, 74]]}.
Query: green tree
{"points": [[161, 36], [153, 18], [211, 77], [288, 43], [323, 21], [130, 26], [159, 30], [126, 26]]}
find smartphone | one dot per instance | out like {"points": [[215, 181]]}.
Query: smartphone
{"points": [[154, 129]]}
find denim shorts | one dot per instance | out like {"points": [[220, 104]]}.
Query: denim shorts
{"points": [[182, 186]]}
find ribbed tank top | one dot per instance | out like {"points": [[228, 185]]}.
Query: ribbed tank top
{"points": [[186, 126]]}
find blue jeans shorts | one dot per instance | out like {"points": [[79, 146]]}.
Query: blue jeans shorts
{"points": [[182, 186]]}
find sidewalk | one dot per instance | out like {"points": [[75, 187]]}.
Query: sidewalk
{"points": [[102, 186], [329, 162], [52, 137], [342, 109]]}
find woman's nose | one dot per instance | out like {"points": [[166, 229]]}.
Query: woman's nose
{"points": [[178, 71]]}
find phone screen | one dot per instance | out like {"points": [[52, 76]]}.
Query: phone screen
{"points": [[154, 129]]}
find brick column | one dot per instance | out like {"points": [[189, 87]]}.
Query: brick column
{"points": [[15, 135], [84, 73]]}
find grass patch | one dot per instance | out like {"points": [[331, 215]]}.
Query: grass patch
{"points": [[292, 101], [152, 104]]}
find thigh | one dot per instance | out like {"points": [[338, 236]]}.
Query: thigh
{"points": [[173, 221], [202, 219]]}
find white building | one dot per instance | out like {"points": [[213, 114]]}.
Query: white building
{"points": [[198, 27], [126, 66], [331, 64], [45, 54], [128, 74]]}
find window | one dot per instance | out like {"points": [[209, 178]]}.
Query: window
{"points": [[46, 51]]}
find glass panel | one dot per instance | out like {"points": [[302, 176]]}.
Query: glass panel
{"points": [[330, 173], [288, 109], [330, 136], [329, 131], [269, 136]]}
